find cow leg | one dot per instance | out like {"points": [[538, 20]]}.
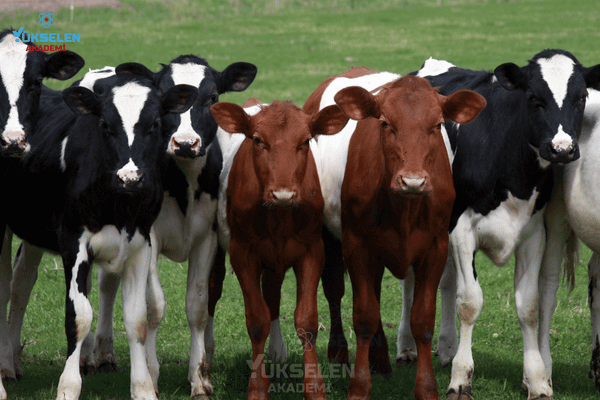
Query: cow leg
{"points": [[594, 303], [557, 232], [196, 306], [87, 365], [422, 321], [405, 343], [334, 287], [77, 263], [108, 285], [25, 274], [215, 290], [7, 371], [248, 270], [365, 311], [528, 259], [308, 271], [156, 304], [379, 358], [133, 290], [271, 288], [469, 298], [448, 338]]}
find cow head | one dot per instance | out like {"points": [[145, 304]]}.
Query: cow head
{"points": [[190, 134], [410, 114], [280, 135], [554, 85], [21, 74], [129, 111]]}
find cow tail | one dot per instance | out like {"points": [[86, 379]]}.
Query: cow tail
{"points": [[572, 247]]}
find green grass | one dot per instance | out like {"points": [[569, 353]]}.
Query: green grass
{"points": [[296, 44]]}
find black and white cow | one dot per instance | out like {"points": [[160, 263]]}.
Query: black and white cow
{"points": [[185, 227], [96, 161], [21, 75], [503, 181]]}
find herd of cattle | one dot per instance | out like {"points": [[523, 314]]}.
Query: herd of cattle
{"points": [[412, 173]]}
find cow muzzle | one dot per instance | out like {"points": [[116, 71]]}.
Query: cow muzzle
{"points": [[410, 185], [131, 179], [14, 144], [282, 197], [560, 152], [186, 147]]}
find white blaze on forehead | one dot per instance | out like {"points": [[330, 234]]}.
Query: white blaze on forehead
{"points": [[93, 75], [189, 74], [433, 67], [129, 100], [556, 71], [13, 58]]}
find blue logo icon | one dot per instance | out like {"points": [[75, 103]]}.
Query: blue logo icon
{"points": [[46, 19]]}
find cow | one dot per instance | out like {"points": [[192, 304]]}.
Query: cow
{"points": [[390, 189], [503, 180], [21, 75], [573, 214], [270, 218], [185, 227], [96, 161]]}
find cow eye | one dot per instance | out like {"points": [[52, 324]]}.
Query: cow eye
{"points": [[581, 103], [257, 140], [156, 125], [105, 128], [384, 124], [534, 101]]}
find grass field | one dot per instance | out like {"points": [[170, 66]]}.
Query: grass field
{"points": [[296, 44]]}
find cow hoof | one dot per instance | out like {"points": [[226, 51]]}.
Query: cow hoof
{"points": [[445, 360], [338, 355], [595, 368], [463, 394], [87, 370], [107, 367], [8, 376], [406, 362]]}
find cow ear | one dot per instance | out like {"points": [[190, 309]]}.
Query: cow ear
{"points": [[511, 76], [178, 99], [592, 77], [82, 100], [232, 118], [133, 69], [237, 77], [357, 103], [463, 106], [62, 65], [328, 121]]}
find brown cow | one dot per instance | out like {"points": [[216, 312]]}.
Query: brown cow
{"points": [[274, 210], [395, 201]]}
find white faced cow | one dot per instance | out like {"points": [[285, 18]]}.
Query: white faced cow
{"points": [[21, 75], [503, 181], [96, 160]]}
